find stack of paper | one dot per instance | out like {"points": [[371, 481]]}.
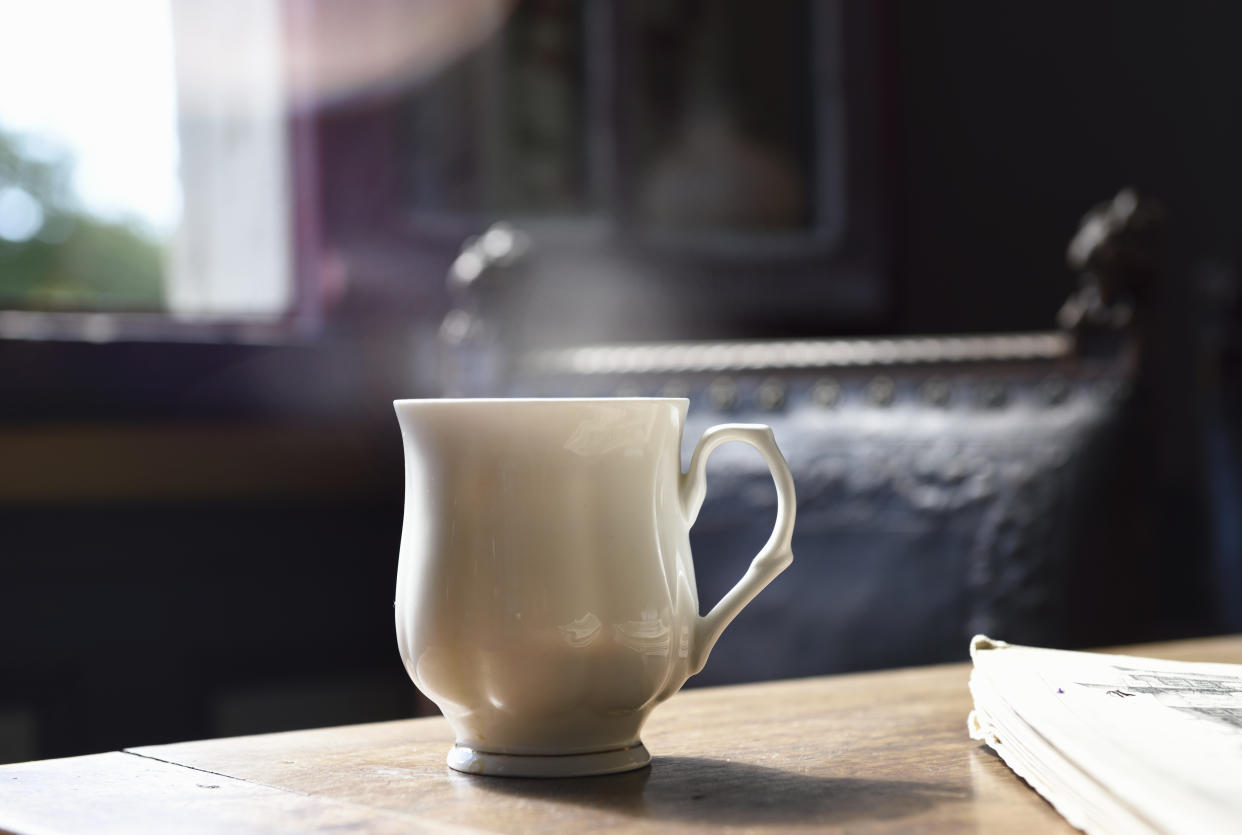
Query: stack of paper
{"points": [[1116, 743]]}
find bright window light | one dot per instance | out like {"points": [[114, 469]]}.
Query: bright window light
{"points": [[97, 81]]}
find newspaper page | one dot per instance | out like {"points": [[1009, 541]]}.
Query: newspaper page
{"points": [[1115, 743]]}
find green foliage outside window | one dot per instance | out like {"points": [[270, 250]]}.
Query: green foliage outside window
{"points": [[73, 261]]}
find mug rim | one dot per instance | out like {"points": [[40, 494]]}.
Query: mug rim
{"points": [[534, 400]]}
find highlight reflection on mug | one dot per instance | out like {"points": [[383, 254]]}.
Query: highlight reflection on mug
{"points": [[649, 636], [583, 631]]}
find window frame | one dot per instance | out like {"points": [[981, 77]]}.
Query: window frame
{"points": [[838, 277]]}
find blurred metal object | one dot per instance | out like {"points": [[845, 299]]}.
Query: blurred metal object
{"points": [[826, 392], [693, 357], [771, 394], [881, 391], [722, 394], [937, 392], [991, 394]]}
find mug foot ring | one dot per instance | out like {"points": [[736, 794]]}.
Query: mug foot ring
{"points": [[472, 761]]}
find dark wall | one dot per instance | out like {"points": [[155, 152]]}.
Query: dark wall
{"points": [[197, 541], [1016, 117], [1013, 119], [158, 621]]}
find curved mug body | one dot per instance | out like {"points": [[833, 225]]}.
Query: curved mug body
{"points": [[546, 598]]}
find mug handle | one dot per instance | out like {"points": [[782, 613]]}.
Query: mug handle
{"points": [[776, 554]]}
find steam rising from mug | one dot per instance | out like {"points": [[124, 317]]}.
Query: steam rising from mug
{"points": [[546, 598]]}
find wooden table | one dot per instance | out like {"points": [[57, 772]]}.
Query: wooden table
{"points": [[867, 752]]}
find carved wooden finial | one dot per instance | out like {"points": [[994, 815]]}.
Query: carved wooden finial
{"points": [[1117, 251]]}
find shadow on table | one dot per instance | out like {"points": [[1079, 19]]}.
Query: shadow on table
{"points": [[707, 790]]}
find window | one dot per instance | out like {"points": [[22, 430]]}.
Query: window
{"points": [[675, 121], [191, 165], [135, 176], [697, 154]]}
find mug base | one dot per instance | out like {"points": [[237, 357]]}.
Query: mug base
{"points": [[614, 761]]}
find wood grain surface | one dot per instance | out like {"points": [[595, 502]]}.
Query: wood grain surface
{"points": [[873, 752]]}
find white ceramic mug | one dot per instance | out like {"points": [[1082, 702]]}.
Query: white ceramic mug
{"points": [[545, 592]]}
